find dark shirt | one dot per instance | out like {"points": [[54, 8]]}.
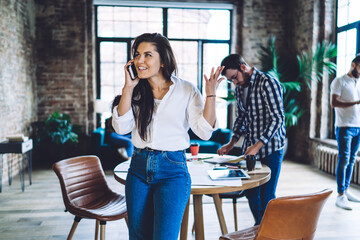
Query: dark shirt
{"points": [[263, 117], [108, 129]]}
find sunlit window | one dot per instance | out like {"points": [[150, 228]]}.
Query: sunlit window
{"points": [[348, 12], [199, 37], [348, 27], [346, 50]]}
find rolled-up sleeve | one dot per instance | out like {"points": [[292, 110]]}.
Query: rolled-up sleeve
{"points": [[198, 124], [123, 124]]}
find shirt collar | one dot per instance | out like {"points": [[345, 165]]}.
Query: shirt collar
{"points": [[253, 75]]}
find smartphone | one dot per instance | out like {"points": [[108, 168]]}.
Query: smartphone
{"points": [[132, 71]]}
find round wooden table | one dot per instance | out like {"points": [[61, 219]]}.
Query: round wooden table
{"points": [[257, 178]]}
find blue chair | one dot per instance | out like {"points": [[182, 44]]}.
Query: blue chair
{"points": [[108, 154], [219, 137]]}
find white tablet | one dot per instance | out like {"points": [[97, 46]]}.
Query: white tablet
{"points": [[228, 174]]}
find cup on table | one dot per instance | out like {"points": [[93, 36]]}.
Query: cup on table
{"points": [[250, 162], [194, 149]]}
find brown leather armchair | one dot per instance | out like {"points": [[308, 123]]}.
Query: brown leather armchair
{"points": [[292, 218], [86, 193]]}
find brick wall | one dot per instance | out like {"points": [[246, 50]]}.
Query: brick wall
{"points": [[313, 22], [257, 20], [18, 102], [64, 60]]}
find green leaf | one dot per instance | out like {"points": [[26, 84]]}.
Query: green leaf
{"points": [[311, 66]]}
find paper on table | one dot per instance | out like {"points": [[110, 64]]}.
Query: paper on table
{"points": [[201, 157], [199, 176], [225, 159]]}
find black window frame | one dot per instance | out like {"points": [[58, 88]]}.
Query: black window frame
{"points": [[201, 42]]}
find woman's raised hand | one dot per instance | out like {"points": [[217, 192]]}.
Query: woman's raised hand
{"points": [[212, 83]]}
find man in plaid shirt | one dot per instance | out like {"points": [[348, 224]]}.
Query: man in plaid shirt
{"points": [[260, 120]]}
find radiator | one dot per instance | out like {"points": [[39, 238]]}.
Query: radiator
{"points": [[327, 161]]}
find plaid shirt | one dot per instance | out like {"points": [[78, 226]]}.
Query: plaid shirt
{"points": [[263, 116]]}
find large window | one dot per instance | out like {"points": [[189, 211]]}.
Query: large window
{"points": [[348, 32], [200, 38]]}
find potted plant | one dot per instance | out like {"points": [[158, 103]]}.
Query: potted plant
{"points": [[55, 138], [294, 78], [310, 67]]}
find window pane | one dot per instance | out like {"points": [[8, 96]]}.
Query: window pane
{"points": [[346, 51], [354, 14], [112, 60], [128, 21], [342, 18], [213, 54], [199, 24], [348, 12], [186, 54]]}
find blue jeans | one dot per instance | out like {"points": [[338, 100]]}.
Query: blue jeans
{"points": [[118, 141], [260, 196], [157, 190], [348, 139]]}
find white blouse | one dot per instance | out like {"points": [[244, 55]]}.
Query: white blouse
{"points": [[182, 107]]}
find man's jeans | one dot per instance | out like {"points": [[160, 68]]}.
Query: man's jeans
{"points": [[348, 139], [260, 196], [157, 190], [118, 141]]}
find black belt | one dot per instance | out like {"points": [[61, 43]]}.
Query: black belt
{"points": [[151, 150], [154, 150], [148, 149]]}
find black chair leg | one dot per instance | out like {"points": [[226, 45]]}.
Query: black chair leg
{"points": [[235, 213]]}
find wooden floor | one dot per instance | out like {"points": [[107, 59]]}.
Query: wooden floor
{"points": [[38, 212]]}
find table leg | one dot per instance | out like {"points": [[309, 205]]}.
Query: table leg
{"points": [[185, 222], [219, 211], [198, 217], [30, 165], [1, 171], [22, 173], [9, 161]]}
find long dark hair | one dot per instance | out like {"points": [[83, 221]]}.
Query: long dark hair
{"points": [[143, 99]]}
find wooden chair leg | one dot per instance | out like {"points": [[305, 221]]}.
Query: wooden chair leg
{"points": [[235, 215], [102, 230], [73, 227], [97, 223]]}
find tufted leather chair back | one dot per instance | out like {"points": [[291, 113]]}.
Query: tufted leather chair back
{"points": [[82, 183], [292, 217]]}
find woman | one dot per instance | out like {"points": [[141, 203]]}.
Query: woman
{"points": [[158, 108]]}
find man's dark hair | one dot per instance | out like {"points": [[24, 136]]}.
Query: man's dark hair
{"points": [[233, 61], [356, 60]]}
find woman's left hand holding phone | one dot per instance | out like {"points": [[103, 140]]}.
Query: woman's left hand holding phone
{"points": [[127, 92]]}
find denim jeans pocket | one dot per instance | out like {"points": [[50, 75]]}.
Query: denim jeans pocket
{"points": [[177, 157]]}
